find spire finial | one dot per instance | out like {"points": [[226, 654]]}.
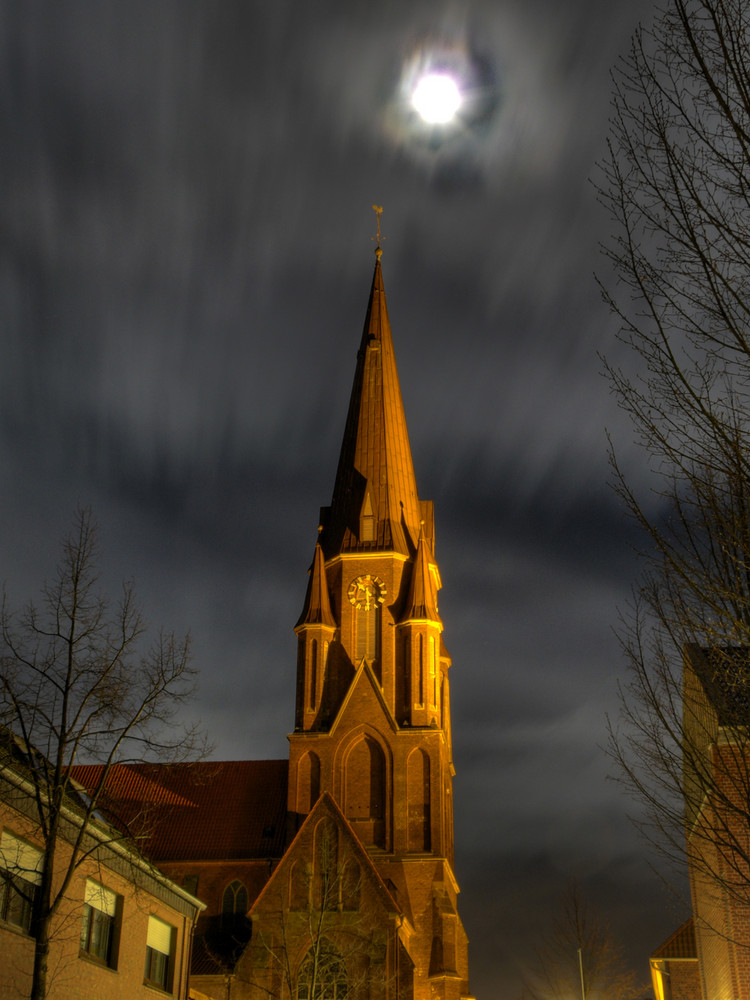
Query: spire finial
{"points": [[378, 210]]}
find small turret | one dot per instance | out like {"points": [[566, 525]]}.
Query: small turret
{"points": [[418, 632], [315, 631]]}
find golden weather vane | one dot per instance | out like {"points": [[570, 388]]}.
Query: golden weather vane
{"points": [[378, 210]]}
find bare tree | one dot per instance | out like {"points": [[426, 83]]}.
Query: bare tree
{"points": [[578, 957], [677, 184], [78, 685]]}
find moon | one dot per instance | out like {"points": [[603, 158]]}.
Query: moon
{"points": [[436, 98]]}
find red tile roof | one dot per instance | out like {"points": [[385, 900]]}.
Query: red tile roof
{"points": [[193, 812]]}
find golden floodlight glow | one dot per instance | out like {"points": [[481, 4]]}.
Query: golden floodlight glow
{"points": [[436, 98]]}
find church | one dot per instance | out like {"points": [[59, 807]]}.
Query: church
{"points": [[330, 875]]}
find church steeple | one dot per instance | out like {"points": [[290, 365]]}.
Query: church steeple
{"points": [[372, 726], [375, 506]]}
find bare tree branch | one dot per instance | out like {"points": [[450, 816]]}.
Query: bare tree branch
{"points": [[676, 182], [77, 685], [578, 957]]}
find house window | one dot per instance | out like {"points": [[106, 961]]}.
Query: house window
{"points": [[98, 924], [159, 944], [20, 877]]}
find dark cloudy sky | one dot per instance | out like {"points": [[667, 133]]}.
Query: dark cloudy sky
{"points": [[185, 257]]}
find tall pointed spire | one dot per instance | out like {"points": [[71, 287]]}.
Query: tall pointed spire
{"points": [[421, 599], [375, 504], [317, 609]]}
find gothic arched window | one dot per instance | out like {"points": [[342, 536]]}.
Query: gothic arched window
{"points": [[367, 520], [418, 799], [234, 903], [308, 782], [327, 874], [322, 976], [299, 886], [433, 671], [367, 625], [313, 690], [365, 791], [420, 660]]}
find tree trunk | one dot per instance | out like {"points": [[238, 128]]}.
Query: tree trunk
{"points": [[41, 956]]}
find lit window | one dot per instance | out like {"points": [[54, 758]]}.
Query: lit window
{"points": [[21, 875], [98, 924], [159, 954]]}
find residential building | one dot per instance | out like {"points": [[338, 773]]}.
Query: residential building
{"points": [[674, 966], [709, 957], [123, 929]]}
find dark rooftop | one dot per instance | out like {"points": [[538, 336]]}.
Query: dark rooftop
{"points": [[200, 811]]}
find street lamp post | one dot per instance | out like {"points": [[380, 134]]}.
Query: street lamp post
{"points": [[580, 966]]}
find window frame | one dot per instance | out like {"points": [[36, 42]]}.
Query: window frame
{"points": [[100, 913], [17, 898], [20, 879], [330, 971], [158, 971], [235, 903]]}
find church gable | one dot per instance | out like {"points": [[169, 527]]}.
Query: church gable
{"points": [[364, 700], [337, 847], [324, 912]]}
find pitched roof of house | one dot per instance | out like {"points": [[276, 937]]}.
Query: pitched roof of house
{"points": [[200, 811], [681, 944], [375, 471], [724, 672]]}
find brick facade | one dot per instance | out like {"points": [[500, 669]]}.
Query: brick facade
{"points": [[716, 770], [138, 892]]}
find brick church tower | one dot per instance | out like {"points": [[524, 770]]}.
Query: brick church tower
{"points": [[372, 721], [329, 876]]}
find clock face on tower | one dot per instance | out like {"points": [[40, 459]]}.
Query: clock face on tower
{"points": [[366, 592]]}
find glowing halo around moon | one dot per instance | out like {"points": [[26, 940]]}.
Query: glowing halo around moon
{"points": [[441, 111], [436, 98]]}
